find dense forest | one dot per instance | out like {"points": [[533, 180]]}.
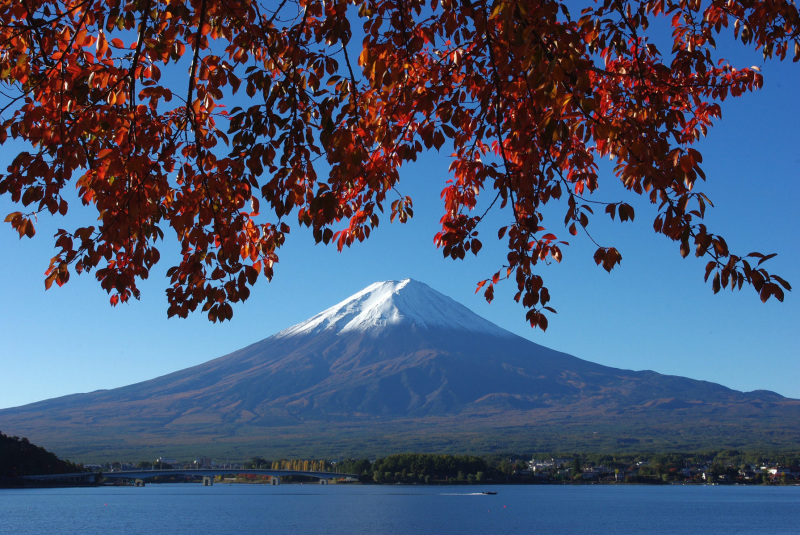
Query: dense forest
{"points": [[418, 468], [18, 457]]}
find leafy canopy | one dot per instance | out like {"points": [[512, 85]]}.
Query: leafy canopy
{"points": [[214, 117]]}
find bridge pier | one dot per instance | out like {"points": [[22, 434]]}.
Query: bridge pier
{"points": [[208, 481], [274, 480], [323, 481], [138, 483]]}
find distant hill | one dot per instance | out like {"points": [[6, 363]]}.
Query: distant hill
{"points": [[401, 367]]}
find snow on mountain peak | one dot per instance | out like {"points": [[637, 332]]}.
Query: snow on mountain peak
{"points": [[394, 302]]}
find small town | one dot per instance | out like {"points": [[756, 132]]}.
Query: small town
{"points": [[647, 472]]}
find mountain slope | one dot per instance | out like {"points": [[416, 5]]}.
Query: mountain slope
{"points": [[399, 357]]}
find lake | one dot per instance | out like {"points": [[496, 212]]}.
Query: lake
{"points": [[177, 509]]}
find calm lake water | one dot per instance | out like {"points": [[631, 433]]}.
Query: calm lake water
{"points": [[341, 509]]}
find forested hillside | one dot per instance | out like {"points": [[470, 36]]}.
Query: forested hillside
{"points": [[18, 457]]}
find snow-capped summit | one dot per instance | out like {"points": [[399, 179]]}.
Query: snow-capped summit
{"points": [[391, 303]]}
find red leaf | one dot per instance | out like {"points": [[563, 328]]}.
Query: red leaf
{"points": [[709, 267], [489, 293], [476, 246]]}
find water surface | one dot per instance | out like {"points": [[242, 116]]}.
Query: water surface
{"points": [[355, 509]]}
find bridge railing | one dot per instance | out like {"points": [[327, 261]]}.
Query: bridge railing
{"points": [[142, 475]]}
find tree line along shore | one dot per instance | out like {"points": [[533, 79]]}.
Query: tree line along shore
{"points": [[18, 458]]}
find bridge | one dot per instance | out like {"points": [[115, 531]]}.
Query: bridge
{"points": [[207, 474]]}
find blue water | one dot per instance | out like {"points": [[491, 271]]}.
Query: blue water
{"points": [[176, 509]]}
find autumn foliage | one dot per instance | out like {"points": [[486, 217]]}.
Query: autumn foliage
{"points": [[224, 123]]}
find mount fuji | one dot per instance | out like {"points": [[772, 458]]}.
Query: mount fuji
{"points": [[399, 366]]}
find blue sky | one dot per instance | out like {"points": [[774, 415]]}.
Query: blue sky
{"points": [[652, 312]]}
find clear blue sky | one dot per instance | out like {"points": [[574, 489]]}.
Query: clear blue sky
{"points": [[652, 312]]}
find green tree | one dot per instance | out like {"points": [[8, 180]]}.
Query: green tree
{"points": [[577, 467], [505, 467], [258, 463]]}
